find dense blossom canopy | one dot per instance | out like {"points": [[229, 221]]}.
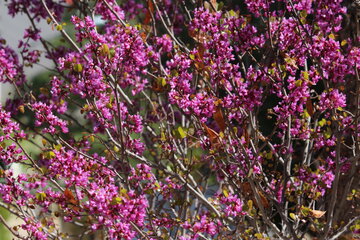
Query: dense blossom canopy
{"points": [[173, 119]]}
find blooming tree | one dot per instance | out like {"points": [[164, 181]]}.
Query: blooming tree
{"points": [[176, 119]]}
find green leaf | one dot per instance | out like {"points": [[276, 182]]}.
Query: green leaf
{"points": [[306, 114], [220, 6], [49, 155], [322, 122], [78, 67], [123, 192], [112, 52], [328, 133], [174, 73], [250, 204], [303, 13], [116, 201], [181, 132], [104, 50], [306, 75], [250, 172], [163, 136], [157, 185], [162, 81], [305, 211], [169, 168], [57, 147], [293, 216], [232, 13], [40, 196], [245, 208], [269, 155], [59, 27], [225, 192], [116, 149]]}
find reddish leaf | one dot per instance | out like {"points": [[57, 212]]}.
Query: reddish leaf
{"points": [[317, 213], [70, 197], [309, 107], [247, 190], [214, 4], [143, 36], [211, 6], [219, 119], [213, 135], [149, 12], [246, 135], [201, 51]]}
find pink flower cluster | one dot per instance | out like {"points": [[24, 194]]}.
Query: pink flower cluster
{"points": [[10, 68]]}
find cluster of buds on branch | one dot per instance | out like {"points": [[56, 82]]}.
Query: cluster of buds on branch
{"points": [[177, 119]]}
